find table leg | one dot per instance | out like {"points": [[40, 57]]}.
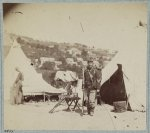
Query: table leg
{"points": [[76, 102], [69, 104]]}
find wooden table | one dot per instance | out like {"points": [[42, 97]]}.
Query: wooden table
{"points": [[72, 99], [69, 99]]}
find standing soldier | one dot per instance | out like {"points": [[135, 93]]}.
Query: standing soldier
{"points": [[92, 80], [16, 90]]}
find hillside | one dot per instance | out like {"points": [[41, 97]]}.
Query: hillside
{"points": [[49, 57], [35, 49]]}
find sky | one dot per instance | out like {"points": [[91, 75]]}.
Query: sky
{"points": [[102, 25]]}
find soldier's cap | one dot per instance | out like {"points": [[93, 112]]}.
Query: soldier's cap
{"points": [[90, 60]]}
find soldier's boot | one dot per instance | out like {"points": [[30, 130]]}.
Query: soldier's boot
{"points": [[92, 111], [99, 100], [88, 111]]}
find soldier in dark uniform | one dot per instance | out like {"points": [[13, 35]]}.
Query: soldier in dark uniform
{"points": [[92, 80]]}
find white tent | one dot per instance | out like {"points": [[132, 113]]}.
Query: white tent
{"points": [[134, 73], [66, 76], [33, 83]]}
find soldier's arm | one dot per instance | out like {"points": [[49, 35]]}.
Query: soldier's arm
{"points": [[22, 76]]}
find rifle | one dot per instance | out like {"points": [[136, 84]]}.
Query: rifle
{"points": [[83, 91], [59, 103]]}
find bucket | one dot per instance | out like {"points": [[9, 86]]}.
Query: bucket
{"points": [[120, 106]]}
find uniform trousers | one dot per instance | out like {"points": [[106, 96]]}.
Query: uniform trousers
{"points": [[90, 100]]}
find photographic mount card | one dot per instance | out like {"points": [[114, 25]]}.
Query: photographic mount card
{"points": [[46, 47]]}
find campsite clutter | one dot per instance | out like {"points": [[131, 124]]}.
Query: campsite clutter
{"points": [[117, 89], [90, 84], [71, 95]]}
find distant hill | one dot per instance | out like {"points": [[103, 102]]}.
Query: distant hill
{"points": [[35, 49], [49, 57]]}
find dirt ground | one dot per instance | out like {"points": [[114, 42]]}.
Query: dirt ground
{"points": [[35, 116]]}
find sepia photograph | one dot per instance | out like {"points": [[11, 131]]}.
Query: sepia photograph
{"points": [[75, 66]]}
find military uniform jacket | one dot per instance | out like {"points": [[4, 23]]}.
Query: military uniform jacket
{"points": [[92, 79]]}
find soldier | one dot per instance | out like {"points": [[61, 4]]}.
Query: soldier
{"points": [[92, 80], [16, 90]]}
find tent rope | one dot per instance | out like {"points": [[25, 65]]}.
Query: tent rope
{"points": [[109, 116], [126, 76], [128, 96]]}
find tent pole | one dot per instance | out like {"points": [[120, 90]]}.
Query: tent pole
{"points": [[44, 96]]}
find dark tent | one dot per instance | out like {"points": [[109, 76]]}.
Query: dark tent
{"points": [[114, 88]]}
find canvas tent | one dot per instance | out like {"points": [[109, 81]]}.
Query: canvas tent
{"points": [[130, 82], [66, 76], [33, 83]]}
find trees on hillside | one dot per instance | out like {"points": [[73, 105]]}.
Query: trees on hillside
{"points": [[48, 65], [84, 54]]}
